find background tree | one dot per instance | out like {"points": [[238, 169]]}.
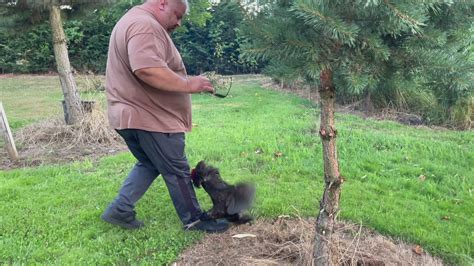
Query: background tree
{"points": [[215, 44], [226, 39], [357, 47], [35, 11]]}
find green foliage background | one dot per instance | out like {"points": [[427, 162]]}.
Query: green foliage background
{"points": [[209, 40]]}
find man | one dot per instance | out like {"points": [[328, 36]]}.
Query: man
{"points": [[149, 104]]}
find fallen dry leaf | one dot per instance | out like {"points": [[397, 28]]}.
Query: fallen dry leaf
{"points": [[418, 250], [278, 154], [243, 235]]}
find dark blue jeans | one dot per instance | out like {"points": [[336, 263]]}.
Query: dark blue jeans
{"points": [[158, 153]]}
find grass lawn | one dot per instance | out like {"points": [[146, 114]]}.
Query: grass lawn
{"points": [[415, 184]]}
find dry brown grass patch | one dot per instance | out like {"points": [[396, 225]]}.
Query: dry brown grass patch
{"points": [[52, 141], [288, 241]]}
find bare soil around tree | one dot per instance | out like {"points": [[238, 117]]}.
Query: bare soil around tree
{"points": [[289, 241]]}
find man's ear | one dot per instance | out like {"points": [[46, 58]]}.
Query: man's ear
{"points": [[162, 4]]}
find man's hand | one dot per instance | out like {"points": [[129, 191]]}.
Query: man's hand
{"points": [[199, 84]]}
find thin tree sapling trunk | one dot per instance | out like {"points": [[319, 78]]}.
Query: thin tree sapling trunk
{"points": [[73, 109], [329, 204]]}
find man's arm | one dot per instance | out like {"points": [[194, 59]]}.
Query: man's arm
{"points": [[165, 79]]}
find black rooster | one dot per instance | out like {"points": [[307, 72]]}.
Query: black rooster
{"points": [[229, 201]]}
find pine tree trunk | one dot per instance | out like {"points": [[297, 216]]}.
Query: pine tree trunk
{"points": [[329, 204], [73, 110], [368, 105]]}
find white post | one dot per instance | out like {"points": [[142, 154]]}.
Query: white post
{"points": [[7, 135]]}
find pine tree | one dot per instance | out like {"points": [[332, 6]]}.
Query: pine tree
{"points": [[357, 47], [24, 11]]}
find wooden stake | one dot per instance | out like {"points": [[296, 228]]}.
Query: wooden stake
{"points": [[7, 135]]}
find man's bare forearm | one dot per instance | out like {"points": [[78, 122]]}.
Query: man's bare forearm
{"points": [[163, 78]]}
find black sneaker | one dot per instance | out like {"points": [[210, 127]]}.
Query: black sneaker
{"points": [[208, 226], [125, 220]]}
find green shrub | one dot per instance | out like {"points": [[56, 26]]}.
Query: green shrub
{"points": [[462, 115], [27, 51]]}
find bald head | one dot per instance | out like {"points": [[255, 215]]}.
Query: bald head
{"points": [[169, 13], [184, 2]]}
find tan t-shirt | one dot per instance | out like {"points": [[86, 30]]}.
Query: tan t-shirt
{"points": [[139, 41]]}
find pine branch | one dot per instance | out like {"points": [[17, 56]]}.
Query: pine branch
{"points": [[332, 25], [414, 23]]}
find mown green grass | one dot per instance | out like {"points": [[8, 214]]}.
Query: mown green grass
{"points": [[50, 214], [28, 99]]}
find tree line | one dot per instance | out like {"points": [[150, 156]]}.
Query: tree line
{"points": [[209, 40]]}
